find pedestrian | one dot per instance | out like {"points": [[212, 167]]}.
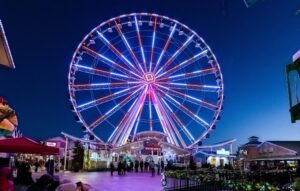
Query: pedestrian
{"points": [[136, 165], [142, 165], [152, 167], [36, 164], [43, 183], [112, 168], [158, 167], [6, 179], [146, 166], [119, 168], [162, 164]]}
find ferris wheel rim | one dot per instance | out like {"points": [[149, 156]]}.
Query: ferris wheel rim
{"points": [[221, 92]]}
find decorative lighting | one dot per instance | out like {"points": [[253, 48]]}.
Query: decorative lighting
{"points": [[109, 29], [150, 23], [92, 41], [129, 23], [180, 32], [161, 25]]}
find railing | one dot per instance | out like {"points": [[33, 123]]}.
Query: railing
{"points": [[224, 181], [190, 185]]}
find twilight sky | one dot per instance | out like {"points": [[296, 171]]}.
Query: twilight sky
{"points": [[252, 45]]}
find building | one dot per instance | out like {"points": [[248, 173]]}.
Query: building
{"points": [[269, 153], [218, 154]]}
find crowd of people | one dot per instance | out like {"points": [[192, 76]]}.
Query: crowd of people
{"points": [[23, 181], [137, 166]]}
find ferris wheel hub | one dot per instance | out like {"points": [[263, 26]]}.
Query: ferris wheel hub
{"points": [[149, 77]]}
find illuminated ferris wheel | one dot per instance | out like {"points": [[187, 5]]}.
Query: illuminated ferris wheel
{"points": [[145, 72]]}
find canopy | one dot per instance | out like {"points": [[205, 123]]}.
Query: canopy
{"points": [[26, 145]]}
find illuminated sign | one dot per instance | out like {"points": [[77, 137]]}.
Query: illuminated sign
{"points": [[95, 156], [51, 144], [223, 152]]}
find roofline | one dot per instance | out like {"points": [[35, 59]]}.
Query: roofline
{"points": [[6, 47], [80, 139], [277, 146], [220, 144]]}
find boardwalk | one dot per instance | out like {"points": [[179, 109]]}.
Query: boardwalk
{"points": [[103, 181]]}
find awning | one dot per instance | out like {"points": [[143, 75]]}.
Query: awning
{"points": [[26, 145]]}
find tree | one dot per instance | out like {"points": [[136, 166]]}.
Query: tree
{"points": [[78, 153]]}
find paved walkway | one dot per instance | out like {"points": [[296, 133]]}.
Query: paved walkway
{"points": [[103, 181]]}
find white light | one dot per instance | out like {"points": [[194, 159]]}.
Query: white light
{"points": [[79, 58], [161, 25], [176, 76], [180, 32], [179, 84], [129, 23], [173, 99], [150, 23], [213, 87], [153, 39], [116, 74], [92, 41], [116, 93], [109, 29], [201, 120]]}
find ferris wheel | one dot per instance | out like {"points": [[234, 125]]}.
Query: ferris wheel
{"points": [[145, 72]]}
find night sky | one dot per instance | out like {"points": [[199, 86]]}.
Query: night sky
{"points": [[253, 45]]}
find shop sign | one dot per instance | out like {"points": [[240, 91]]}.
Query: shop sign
{"points": [[95, 156], [223, 152], [51, 144]]}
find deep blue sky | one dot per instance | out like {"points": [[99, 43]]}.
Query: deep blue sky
{"points": [[252, 45]]}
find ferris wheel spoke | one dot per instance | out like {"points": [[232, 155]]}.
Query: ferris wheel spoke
{"points": [[172, 125], [108, 62], [197, 87], [181, 125], [124, 39], [101, 86], [98, 72], [115, 108], [117, 52], [139, 114], [163, 123], [106, 98], [195, 74], [173, 57], [152, 45], [150, 114], [114, 136], [188, 112], [188, 98], [140, 42], [184, 64], [127, 125], [165, 47]]}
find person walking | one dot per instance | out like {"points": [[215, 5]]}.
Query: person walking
{"points": [[158, 167], [162, 164], [112, 168], [152, 167], [146, 165], [36, 165], [142, 165], [136, 165], [119, 168]]}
